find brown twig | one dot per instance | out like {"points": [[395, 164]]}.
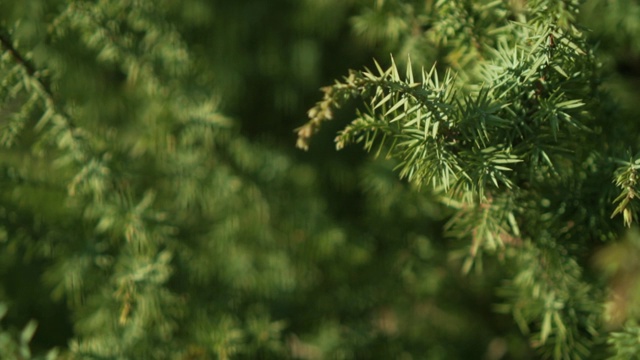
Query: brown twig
{"points": [[32, 72], [20, 59]]}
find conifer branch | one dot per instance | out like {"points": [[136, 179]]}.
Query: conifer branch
{"points": [[26, 64], [33, 74]]}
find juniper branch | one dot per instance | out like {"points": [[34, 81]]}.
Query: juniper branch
{"points": [[34, 75]]}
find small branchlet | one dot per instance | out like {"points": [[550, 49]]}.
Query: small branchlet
{"points": [[626, 178]]}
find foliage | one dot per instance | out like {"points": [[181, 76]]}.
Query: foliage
{"points": [[518, 139], [19, 349], [152, 206], [156, 210]]}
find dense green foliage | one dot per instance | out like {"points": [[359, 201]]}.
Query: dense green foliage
{"points": [[522, 141], [153, 206]]}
